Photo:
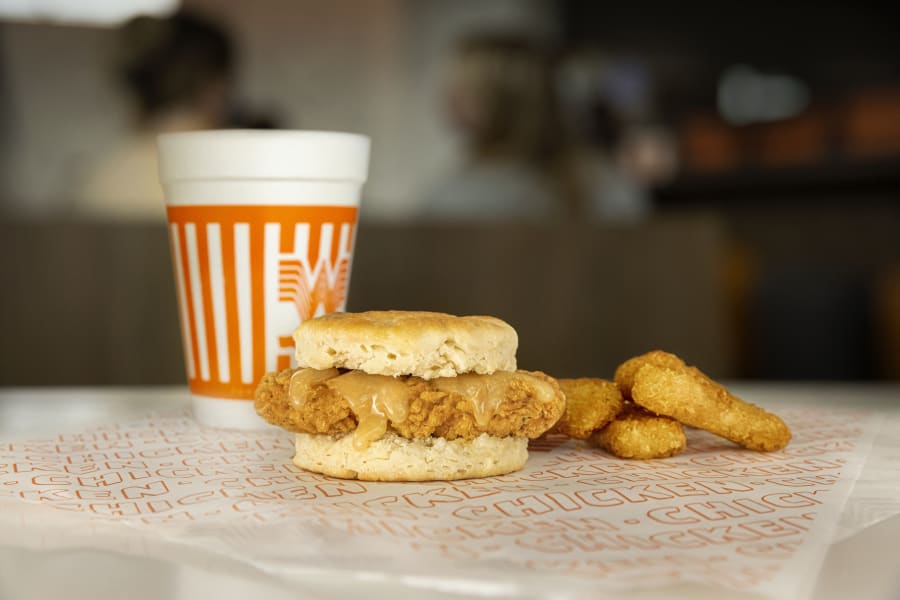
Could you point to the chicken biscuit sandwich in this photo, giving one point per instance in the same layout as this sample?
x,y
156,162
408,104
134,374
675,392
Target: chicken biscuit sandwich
x,y
409,396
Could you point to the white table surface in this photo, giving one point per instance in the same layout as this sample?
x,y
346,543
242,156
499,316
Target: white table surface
x,y
865,565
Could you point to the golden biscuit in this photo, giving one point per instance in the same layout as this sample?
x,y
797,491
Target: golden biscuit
x,y
396,342
393,458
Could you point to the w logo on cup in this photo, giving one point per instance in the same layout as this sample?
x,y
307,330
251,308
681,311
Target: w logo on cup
x,y
246,276
323,285
314,286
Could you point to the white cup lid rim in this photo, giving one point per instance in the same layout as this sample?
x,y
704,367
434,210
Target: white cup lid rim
x,y
263,154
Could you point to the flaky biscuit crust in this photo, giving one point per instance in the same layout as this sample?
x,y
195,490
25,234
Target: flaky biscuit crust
x,y
394,458
423,344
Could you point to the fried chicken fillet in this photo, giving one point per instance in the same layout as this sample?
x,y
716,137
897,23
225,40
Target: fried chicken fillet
x,y
637,433
591,404
519,404
663,384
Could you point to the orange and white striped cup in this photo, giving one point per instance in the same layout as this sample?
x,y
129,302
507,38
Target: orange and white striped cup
x,y
262,226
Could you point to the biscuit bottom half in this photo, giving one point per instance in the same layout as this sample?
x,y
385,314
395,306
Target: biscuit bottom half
x,y
395,458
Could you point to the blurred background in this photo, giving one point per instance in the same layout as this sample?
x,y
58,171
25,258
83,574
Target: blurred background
x,y
719,181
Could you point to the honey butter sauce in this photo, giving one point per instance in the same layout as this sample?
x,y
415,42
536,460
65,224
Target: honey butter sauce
x,y
304,382
373,399
376,399
485,392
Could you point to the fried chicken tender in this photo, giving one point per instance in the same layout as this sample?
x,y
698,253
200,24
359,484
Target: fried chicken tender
x,y
531,404
625,373
590,404
666,386
637,433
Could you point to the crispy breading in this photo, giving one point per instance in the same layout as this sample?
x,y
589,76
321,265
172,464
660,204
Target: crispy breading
x,y
590,404
637,433
432,413
624,376
321,413
684,393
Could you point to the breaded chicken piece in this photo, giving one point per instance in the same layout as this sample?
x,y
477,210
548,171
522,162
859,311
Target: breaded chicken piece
x,y
684,393
624,376
531,404
590,404
639,434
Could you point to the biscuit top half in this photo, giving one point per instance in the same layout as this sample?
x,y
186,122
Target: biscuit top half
x,y
423,344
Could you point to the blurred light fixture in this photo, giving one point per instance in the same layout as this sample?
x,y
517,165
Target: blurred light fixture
x,y
746,96
83,12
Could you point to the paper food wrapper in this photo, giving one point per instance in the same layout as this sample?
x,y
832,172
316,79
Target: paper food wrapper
x,y
573,523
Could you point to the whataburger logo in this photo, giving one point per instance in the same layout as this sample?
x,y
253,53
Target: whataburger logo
x,y
323,287
314,286
245,277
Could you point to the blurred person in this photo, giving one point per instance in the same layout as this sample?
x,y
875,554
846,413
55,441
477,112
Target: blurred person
x,y
621,153
613,194
619,172
500,97
179,73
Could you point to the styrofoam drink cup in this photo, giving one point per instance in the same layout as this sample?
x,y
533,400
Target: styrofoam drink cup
x,y
262,226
